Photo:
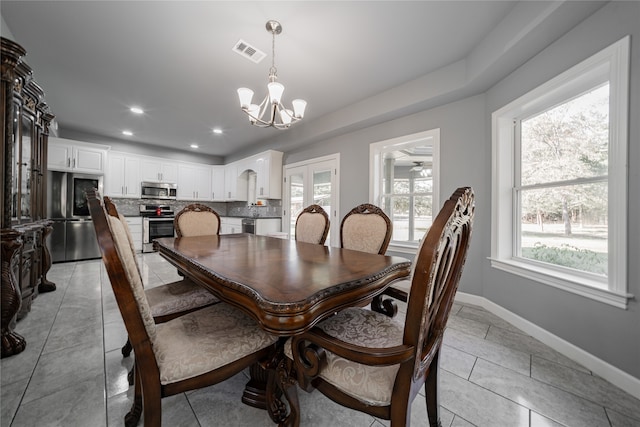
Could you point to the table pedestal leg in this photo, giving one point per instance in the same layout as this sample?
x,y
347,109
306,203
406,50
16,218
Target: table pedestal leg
x,y
256,389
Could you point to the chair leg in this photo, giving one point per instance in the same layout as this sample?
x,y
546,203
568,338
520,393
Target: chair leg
x,y
130,376
126,350
431,392
133,416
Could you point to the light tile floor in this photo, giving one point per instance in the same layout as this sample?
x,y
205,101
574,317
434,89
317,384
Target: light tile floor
x,y
72,372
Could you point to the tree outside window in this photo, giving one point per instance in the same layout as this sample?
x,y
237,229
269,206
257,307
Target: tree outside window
x,y
563,192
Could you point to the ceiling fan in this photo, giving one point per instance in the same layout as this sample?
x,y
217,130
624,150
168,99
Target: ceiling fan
x,y
418,167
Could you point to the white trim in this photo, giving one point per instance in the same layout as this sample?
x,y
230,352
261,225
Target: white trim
x,y
584,286
616,376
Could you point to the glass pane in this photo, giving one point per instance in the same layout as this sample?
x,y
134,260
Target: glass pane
x,y
25,169
401,186
322,192
400,218
423,185
566,226
15,160
423,216
568,141
296,191
322,189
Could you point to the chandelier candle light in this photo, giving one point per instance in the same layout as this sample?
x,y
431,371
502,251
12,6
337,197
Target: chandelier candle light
x,y
271,112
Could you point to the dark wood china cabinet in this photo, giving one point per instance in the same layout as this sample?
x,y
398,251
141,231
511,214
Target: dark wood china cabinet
x,y
23,225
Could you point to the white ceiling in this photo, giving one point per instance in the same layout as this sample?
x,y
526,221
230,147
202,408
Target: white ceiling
x,y
95,59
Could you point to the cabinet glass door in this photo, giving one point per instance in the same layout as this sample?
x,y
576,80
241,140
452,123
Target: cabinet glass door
x,y
24,168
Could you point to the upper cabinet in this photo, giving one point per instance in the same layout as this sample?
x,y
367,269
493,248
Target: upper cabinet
x,y
194,182
122,178
268,168
217,184
158,170
235,188
75,156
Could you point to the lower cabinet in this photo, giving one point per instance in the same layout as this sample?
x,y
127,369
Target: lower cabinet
x,y
135,226
229,225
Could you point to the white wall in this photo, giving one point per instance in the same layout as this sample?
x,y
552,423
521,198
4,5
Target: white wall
x,y
608,333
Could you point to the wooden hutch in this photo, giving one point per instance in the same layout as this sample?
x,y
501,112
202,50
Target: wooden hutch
x,y
25,258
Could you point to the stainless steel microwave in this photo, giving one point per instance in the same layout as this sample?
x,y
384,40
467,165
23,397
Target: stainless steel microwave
x,y
159,190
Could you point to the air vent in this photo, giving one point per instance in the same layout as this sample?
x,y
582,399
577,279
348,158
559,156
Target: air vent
x,y
245,50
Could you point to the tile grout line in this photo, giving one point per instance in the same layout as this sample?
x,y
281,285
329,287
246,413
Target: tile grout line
x,y
104,354
24,392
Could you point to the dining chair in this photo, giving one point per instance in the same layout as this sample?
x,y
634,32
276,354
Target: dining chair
x,y
312,225
166,301
197,220
366,228
376,364
193,351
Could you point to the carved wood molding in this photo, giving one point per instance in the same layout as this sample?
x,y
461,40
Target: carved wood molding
x,y
12,343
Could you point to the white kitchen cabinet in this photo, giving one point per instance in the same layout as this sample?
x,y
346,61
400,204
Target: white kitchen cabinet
x,y
135,227
194,182
217,183
235,187
76,156
267,226
159,170
230,225
268,167
122,178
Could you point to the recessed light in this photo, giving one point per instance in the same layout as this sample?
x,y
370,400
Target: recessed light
x,y
194,145
137,110
127,132
217,131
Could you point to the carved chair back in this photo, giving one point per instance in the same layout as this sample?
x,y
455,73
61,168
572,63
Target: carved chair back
x,y
197,220
436,275
366,228
312,225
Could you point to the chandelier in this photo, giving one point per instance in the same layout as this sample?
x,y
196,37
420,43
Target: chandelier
x,y
271,112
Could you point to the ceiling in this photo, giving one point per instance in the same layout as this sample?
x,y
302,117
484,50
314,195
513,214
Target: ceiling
x,y
96,59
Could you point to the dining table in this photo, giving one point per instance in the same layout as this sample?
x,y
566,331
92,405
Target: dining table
x,y
285,285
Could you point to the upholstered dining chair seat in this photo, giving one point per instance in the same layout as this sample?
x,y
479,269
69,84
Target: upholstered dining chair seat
x,y
178,297
360,326
208,339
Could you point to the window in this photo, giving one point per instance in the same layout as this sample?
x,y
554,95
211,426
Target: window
x,y
404,183
560,180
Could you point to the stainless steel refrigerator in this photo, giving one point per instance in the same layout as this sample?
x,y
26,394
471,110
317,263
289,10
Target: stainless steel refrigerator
x,y
73,237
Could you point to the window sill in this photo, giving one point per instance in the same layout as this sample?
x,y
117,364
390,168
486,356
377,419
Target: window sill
x,y
400,248
585,287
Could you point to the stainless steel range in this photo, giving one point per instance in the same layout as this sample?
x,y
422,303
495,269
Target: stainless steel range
x,y
157,221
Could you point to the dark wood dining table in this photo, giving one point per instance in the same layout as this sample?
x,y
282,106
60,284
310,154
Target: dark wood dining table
x,y
287,286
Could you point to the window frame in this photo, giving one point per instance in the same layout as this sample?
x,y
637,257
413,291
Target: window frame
x,y
376,191
612,63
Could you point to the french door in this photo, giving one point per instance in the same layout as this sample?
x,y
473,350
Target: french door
x,y
310,182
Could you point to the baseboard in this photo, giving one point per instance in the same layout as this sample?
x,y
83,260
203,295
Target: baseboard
x,y
598,366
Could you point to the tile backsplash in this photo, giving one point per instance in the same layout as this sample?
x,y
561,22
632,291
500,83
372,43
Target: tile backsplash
x,y
270,209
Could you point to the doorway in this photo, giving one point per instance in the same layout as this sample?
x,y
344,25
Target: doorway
x,y
314,181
